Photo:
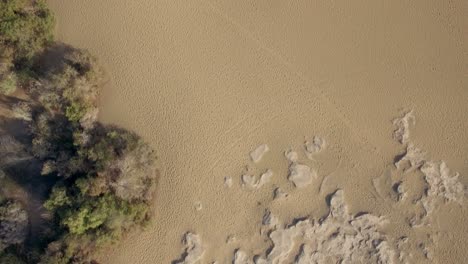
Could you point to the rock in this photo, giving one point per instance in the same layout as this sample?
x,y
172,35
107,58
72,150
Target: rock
x,y
338,208
194,249
241,258
301,175
228,181
258,153
315,146
442,183
279,194
402,133
337,238
344,238
254,183
230,239
291,156
198,206
414,156
269,219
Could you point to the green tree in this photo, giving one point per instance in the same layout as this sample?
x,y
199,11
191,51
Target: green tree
x,y
57,199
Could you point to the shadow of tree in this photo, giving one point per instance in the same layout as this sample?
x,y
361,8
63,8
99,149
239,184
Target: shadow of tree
x,y
52,59
23,181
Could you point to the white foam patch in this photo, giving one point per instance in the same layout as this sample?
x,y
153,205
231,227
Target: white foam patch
x,y
255,183
301,175
402,133
258,153
194,249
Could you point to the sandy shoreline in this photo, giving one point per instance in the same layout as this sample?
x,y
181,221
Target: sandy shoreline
x,y
206,82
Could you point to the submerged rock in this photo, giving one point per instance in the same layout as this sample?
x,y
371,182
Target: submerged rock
x,y
258,153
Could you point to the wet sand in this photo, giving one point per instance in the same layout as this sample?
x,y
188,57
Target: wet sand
x,y
206,82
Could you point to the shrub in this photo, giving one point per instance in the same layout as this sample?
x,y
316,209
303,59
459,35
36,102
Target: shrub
x,y
58,198
75,111
22,111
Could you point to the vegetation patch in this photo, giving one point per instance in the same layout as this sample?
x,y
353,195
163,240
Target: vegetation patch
x,y
97,179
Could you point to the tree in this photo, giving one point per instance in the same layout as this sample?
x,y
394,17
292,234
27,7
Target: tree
x,y
26,28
